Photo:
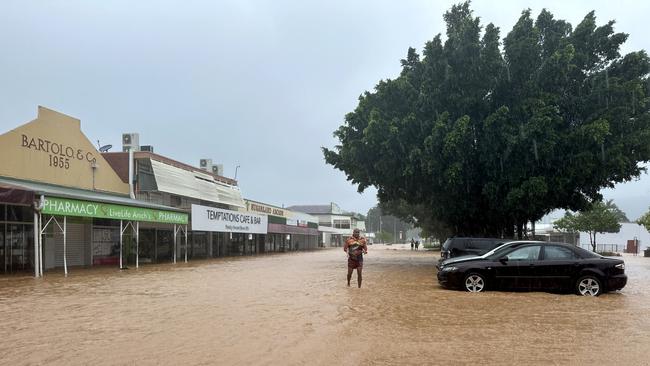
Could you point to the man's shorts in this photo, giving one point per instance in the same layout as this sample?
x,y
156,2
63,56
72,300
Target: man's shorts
x,y
353,264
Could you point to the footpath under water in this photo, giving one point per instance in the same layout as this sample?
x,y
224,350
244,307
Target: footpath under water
x,y
295,309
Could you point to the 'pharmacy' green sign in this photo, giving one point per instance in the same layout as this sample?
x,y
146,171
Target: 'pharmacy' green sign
x,y
68,207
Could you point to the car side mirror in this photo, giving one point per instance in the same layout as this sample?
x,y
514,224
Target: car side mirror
x,y
503,259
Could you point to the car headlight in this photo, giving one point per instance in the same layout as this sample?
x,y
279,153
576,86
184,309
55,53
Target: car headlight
x,y
449,269
620,266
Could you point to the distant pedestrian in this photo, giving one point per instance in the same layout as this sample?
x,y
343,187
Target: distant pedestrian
x,y
412,243
417,244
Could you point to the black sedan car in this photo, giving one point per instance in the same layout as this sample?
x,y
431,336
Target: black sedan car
x,y
534,265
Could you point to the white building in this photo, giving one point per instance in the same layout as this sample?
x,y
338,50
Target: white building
x,y
334,224
617,242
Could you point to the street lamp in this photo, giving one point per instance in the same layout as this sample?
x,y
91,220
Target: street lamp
x,y
236,168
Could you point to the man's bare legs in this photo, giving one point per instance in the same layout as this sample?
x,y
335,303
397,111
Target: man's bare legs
x,y
358,277
350,270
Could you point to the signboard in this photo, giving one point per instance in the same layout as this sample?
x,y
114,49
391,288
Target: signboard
x,y
70,207
205,218
265,209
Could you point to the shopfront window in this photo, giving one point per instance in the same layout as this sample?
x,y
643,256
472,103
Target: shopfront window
x,y
199,244
164,246
147,244
17,248
106,245
19,214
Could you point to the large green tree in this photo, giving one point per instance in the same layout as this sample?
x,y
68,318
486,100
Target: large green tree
x,y
481,136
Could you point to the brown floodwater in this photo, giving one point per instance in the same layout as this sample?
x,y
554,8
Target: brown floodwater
x,y
295,309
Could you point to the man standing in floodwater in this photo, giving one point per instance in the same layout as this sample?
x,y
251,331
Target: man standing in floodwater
x,y
356,247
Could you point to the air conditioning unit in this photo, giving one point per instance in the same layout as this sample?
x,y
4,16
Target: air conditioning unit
x,y
206,164
148,148
217,169
130,141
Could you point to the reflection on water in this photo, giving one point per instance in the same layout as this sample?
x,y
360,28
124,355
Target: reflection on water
x,y
295,309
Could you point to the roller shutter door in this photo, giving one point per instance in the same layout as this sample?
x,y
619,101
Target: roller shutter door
x,y
75,245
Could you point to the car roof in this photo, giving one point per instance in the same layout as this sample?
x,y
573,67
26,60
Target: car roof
x,y
469,237
522,242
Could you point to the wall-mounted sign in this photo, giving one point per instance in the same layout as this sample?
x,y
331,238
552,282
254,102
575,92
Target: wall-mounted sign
x,y
205,218
70,207
265,209
60,155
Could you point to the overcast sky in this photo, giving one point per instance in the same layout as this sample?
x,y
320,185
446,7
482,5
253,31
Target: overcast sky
x,y
260,84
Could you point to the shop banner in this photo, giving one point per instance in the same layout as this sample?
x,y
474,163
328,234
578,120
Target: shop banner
x,y
265,209
206,218
70,207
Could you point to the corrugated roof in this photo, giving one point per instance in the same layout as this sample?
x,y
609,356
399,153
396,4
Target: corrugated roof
x,y
199,185
312,209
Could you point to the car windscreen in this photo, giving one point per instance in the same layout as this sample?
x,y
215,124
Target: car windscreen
x,y
500,248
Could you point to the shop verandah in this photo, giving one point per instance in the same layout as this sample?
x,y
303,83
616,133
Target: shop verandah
x,y
52,226
43,229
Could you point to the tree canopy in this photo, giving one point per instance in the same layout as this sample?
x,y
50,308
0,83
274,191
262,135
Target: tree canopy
x,y
620,215
645,220
600,218
480,135
378,220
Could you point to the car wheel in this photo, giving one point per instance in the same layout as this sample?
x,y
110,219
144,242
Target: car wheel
x,y
589,286
474,282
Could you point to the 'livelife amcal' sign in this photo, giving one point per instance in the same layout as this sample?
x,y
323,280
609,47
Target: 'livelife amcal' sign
x,y
70,207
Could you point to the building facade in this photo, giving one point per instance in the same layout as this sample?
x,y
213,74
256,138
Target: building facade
x,y
334,225
287,230
61,203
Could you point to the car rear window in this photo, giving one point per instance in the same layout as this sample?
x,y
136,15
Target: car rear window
x,y
554,252
446,245
586,254
484,244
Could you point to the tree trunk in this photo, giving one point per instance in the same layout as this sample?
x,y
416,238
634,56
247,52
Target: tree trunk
x,y
520,235
532,227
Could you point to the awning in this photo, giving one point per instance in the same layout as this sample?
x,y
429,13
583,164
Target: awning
x,y
286,229
197,185
331,230
15,195
78,202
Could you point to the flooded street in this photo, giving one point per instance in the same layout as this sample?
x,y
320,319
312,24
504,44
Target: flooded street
x,y
295,309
